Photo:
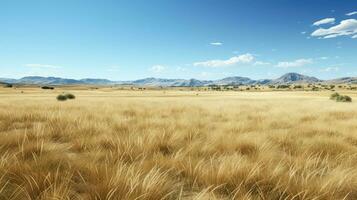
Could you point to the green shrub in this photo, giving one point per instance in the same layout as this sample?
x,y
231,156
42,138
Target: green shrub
x,y
70,96
340,98
344,99
283,86
314,88
61,97
334,96
47,88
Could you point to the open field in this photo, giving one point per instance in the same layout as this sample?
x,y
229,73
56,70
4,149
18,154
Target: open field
x,y
112,144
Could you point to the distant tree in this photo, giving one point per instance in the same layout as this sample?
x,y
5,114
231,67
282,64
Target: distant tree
x,y
47,88
283,86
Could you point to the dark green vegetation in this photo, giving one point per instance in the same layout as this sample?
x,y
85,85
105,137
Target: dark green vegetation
x,y
340,98
70,96
66,96
47,88
61,97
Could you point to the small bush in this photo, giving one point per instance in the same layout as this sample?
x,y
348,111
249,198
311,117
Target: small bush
x,y
334,96
8,85
283,86
344,99
62,97
340,98
70,96
314,88
47,88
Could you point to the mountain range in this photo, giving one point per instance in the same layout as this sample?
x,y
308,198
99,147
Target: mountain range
x,y
289,78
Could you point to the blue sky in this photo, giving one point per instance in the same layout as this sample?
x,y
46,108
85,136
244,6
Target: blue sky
x,y
204,39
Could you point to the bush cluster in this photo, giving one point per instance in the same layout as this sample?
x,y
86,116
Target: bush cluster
x,y
283,86
340,98
64,97
47,88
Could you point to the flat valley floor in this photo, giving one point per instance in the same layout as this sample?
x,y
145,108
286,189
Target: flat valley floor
x,y
114,144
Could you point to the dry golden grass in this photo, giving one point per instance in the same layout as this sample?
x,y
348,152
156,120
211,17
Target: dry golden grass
x,y
110,144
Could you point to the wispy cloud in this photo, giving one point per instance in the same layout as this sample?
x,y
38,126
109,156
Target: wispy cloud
x,y
345,27
352,13
330,69
295,63
157,68
241,59
216,43
257,63
324,21
42,66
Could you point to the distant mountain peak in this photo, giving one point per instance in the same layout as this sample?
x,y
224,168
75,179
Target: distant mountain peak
x,y
293,77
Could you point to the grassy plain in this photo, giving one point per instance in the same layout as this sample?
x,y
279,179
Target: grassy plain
x,y
113,144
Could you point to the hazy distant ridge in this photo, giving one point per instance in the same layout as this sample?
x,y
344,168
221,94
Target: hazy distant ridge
x,y
289,78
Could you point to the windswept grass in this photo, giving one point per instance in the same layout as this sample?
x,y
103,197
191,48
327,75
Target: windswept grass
x,y
177,145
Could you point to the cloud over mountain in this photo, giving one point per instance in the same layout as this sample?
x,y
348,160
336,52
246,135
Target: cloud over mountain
x,y
295,63
241,59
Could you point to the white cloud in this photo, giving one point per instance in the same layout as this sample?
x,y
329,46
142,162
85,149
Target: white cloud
x,y
352,13
295,63
216,43
42,66
324,21
330,69
241,59
157,68
346,27
323,58
261,63
354,37
303,32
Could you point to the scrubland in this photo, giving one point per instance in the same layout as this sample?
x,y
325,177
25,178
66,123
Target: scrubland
x,y
109,144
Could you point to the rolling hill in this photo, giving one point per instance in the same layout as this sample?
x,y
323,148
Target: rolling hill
x,y
289,78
